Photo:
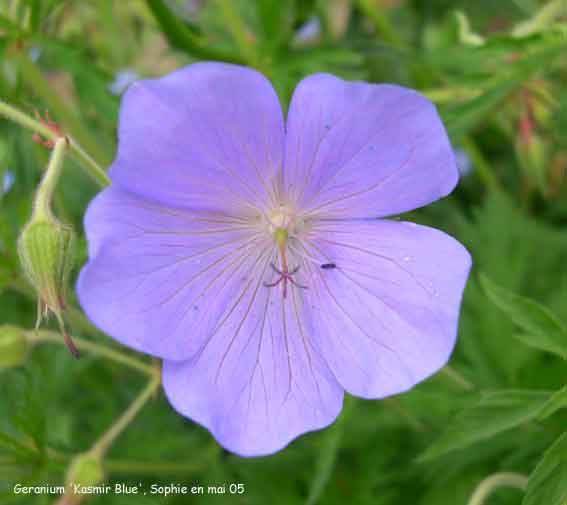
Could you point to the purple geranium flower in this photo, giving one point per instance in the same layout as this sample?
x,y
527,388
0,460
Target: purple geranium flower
x,y
251,255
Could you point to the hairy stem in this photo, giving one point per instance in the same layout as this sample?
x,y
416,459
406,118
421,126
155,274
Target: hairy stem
x,y
46,336
104,443
92,168
42,203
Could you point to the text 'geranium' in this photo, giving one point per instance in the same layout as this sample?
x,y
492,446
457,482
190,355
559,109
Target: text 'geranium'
x,y
250,254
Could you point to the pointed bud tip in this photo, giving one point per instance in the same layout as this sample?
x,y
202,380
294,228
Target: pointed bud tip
x,y
71,345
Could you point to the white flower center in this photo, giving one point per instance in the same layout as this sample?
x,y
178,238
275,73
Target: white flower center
x,y
280,217
284,217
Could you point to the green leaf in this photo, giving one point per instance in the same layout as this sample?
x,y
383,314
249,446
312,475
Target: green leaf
x,y
542,328
495,412
328,455
556,402
542,343
275,17
14,446
325,464
548,482
463,117
481,64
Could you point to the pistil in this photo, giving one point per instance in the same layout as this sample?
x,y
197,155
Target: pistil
x,y
281,236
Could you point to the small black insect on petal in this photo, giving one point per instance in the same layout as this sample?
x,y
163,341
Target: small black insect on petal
x,y
328,266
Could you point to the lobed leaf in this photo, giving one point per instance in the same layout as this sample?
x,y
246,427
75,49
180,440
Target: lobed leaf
x,y
548,482
495,412
542,328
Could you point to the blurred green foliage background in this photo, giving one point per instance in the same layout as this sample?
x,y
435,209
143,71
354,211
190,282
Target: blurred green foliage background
x,y
497,72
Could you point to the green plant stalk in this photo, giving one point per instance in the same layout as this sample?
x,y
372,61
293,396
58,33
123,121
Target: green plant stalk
x,y
46,336
34,78
495,481
93,169
44,195
104,443
10,112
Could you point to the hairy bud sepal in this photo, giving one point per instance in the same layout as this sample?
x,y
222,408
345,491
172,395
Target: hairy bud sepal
x,y
13,346
46,250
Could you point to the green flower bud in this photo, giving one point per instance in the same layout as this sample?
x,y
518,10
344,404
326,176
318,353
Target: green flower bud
x,y
46,250
46,247
86,470
13,346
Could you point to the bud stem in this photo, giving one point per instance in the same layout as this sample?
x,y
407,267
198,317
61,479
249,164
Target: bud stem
x,y
42,204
